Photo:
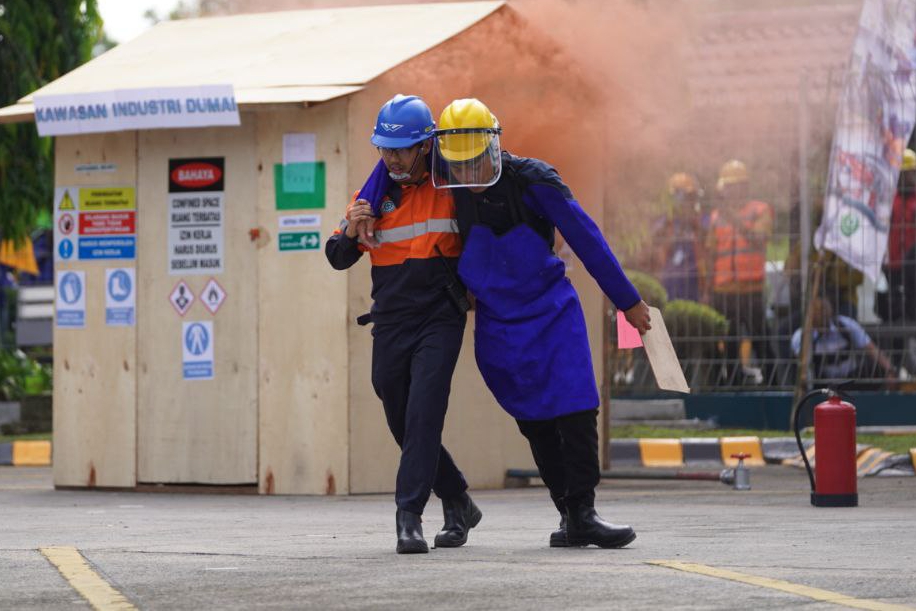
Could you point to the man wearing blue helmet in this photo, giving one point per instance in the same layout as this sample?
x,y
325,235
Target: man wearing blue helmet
x,y
418,314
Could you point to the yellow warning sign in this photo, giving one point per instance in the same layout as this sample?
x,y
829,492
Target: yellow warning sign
x,y
66,203
107,198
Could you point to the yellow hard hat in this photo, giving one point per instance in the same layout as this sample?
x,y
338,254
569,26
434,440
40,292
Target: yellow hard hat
x,y
683,182
732,172
465,114
909,160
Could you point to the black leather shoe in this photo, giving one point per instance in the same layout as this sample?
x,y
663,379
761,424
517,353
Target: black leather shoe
x,y
461,515
410,533
585,527
558,537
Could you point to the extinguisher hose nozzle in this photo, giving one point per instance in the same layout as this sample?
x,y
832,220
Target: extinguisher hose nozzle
x,y
796,413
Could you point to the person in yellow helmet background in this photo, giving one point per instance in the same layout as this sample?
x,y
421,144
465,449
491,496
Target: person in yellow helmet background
x,y
679,252
737,245
898,304
900,266
530,336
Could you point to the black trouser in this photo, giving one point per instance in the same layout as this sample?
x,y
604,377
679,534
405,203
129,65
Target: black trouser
x,y
412,366
565,450
746,314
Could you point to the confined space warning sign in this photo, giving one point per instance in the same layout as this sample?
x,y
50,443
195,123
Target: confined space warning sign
x,y
196,216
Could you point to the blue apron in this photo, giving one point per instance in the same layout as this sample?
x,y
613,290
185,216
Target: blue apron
x,y
530,337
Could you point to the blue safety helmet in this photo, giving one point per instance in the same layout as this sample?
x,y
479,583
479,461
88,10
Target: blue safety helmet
x,y
403,121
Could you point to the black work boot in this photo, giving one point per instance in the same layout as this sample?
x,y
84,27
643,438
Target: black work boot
x,y
558,537
585,527
410,533
461,515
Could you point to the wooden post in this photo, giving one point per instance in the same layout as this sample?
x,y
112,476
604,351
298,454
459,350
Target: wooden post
x,y
804,358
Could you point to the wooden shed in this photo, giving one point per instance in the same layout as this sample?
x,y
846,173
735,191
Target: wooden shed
x,y
288,405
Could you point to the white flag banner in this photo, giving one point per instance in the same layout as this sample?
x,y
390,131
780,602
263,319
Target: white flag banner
x,y
874,121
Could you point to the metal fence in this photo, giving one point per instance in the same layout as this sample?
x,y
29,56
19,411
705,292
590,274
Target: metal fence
x,y
751,342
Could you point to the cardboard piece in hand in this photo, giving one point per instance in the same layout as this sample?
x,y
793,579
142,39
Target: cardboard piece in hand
x,y
659,349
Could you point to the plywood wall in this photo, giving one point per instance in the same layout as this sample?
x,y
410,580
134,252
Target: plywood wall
x,y
302,322
198,430
95,368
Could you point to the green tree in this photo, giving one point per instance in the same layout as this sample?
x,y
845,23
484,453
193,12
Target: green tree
x,y
189,9
40,40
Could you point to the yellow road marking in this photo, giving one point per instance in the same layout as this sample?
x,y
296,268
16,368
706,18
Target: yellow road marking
x,y
784,586
84,580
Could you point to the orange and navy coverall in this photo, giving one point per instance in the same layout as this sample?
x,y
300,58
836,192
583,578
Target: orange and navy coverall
x,y
738,245
416,332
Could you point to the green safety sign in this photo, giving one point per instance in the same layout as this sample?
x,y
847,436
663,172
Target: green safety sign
x,y
299,185
305,240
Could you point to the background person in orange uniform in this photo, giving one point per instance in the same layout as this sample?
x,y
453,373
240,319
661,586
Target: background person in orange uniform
x,y
737,245
417,329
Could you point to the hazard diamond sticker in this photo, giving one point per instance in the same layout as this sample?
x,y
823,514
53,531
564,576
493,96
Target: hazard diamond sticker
x,y
213,296
181,298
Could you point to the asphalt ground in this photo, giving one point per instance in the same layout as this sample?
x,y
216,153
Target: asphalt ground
x,y
762,549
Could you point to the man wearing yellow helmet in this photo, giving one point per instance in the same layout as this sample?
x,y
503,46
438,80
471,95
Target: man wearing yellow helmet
x,y
900,266
737,243
530,337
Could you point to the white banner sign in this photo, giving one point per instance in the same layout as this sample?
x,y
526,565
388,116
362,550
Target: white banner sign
x,y
129,109
874,122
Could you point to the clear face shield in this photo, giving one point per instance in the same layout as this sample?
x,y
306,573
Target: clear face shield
x,y
468,157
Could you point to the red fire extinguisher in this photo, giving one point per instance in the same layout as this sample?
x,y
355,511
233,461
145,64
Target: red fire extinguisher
x,y
835,442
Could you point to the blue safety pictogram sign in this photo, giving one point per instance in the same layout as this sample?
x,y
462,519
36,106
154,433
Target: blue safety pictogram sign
x,y
197,350
65,249
71,299
120,297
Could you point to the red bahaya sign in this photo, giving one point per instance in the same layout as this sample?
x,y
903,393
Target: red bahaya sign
x,y
108,223
196,174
